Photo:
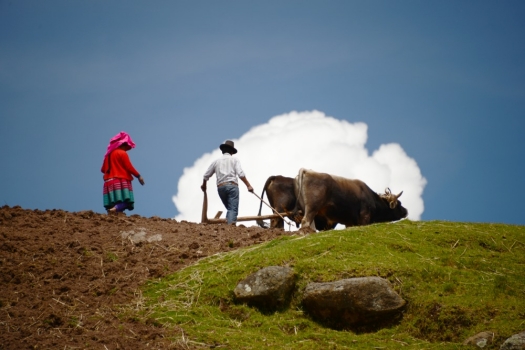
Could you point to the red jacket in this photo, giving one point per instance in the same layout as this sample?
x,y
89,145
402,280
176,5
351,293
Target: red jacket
x,y
118,165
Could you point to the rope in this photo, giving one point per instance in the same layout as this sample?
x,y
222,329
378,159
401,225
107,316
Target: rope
x,y
275,211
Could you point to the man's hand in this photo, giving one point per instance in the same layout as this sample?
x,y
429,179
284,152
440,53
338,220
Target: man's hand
x,y
141,180
250,189
203,187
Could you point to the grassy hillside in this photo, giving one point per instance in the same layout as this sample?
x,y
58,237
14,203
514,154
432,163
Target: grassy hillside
x,y
458,279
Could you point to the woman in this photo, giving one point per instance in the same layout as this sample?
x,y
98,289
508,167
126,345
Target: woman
x,y
118,174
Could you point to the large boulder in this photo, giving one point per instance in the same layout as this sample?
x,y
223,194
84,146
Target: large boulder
x,y
353,303
268,289
516,342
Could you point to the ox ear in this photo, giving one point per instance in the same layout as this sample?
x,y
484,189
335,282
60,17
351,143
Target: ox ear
x,y
399,195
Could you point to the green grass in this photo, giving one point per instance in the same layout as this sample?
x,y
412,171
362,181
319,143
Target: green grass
x,y
458,279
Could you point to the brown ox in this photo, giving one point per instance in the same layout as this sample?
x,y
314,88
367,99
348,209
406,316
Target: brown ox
x,y
281,196
342,201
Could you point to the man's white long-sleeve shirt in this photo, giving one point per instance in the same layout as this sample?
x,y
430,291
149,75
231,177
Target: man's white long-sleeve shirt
x,y
226,169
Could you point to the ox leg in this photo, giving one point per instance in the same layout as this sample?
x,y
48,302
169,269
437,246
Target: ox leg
x,y
364,217
277,223
308,224
307,221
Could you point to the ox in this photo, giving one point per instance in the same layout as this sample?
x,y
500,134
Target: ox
x,y
281,196
280,193
342,201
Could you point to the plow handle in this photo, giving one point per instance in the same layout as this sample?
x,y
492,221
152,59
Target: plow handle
x,y
204,217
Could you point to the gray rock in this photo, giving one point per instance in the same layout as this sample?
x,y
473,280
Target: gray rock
x,y
516,342
353,303
268,289
480,340
140,236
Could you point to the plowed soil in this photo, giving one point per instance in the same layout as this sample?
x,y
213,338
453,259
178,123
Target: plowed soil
x,y
66,277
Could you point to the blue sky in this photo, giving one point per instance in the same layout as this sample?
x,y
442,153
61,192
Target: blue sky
x,y
443,79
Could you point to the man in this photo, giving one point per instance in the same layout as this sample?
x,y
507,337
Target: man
x,y
227,169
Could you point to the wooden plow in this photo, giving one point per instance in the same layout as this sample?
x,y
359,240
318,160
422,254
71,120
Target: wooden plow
x,y
218,220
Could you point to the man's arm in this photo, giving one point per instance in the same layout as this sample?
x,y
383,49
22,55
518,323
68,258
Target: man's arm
x,y
247,183
207,175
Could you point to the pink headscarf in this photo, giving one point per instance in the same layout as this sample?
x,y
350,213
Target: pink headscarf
x,y
119,139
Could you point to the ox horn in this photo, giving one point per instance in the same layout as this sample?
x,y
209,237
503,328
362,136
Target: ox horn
x,y
399,195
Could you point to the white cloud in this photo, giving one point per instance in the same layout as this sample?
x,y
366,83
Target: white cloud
x,y
309,140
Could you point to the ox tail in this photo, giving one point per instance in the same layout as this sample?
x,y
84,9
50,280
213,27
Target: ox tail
x,y
261,223
299,202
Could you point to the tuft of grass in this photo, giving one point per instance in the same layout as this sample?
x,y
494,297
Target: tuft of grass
x,y
458,278
111,256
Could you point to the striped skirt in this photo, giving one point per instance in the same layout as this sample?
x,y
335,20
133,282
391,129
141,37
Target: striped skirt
x,y
116,191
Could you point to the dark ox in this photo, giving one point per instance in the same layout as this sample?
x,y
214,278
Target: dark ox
x,y
281,196
342,201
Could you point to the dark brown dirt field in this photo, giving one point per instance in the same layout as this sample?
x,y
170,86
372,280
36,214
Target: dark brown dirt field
x,y
66,278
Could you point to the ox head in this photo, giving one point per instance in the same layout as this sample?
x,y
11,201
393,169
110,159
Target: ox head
x,y
391,198
394,203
